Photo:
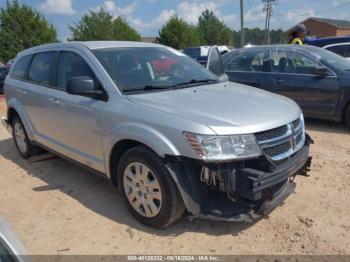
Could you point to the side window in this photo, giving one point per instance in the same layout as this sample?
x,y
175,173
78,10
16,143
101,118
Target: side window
x,y
280,62
72,65
283,61
21,67
302,64
246,62
338,49
42,68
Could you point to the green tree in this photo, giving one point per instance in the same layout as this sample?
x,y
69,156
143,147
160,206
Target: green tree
x,y
256,36
178,34
213,31
100,25
21,27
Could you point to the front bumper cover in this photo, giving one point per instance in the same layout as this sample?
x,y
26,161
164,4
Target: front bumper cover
x,y
257,192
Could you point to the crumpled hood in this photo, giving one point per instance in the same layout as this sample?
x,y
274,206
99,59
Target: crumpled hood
x,y
226,108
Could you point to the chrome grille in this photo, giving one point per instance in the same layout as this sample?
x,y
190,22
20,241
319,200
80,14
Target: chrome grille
x,y
282,142
272,133
296,123
278,150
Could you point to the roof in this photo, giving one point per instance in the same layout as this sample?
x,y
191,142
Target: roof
x,y
90,45
333,22
343,24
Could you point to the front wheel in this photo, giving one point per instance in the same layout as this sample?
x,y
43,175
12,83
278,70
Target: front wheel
x,y
148,188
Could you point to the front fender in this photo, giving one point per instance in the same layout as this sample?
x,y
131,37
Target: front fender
x,y
141,133
15,104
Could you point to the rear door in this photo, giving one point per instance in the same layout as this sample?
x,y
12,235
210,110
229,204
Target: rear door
x,y
291,75
247,67
75,119
35,92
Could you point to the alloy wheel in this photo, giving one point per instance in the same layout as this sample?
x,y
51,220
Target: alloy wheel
x,y
142,189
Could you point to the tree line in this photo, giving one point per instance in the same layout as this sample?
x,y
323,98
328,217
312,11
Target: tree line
x,y
23,27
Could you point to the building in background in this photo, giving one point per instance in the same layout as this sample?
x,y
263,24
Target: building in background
x,y
148,39
322,27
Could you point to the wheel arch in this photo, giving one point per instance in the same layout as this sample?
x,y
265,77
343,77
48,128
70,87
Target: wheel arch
x,y
14,107
117,152
11,113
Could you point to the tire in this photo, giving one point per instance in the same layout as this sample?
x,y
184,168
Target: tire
x,y
347,116
150,193
24,146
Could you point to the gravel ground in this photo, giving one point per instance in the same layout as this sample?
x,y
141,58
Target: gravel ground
x,y
56,207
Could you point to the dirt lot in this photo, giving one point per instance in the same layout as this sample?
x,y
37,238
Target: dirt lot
x,y
56,207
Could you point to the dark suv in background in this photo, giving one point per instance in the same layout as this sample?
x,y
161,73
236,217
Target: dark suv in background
x,y
338,45
318,80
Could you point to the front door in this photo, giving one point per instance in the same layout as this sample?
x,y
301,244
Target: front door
x,y
292,74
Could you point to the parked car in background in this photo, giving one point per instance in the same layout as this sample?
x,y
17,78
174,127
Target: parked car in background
x,y
317,79
200,53
338,45
173,140
4,70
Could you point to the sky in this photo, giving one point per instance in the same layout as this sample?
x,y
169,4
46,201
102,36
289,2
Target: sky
x,y
148,16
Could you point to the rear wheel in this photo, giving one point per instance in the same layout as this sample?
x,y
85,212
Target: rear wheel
x,y
24,146
148,188
347,116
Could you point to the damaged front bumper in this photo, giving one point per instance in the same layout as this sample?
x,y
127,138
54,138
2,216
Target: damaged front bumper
x,y
243,190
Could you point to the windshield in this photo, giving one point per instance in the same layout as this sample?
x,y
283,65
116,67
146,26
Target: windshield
x,y
334,60
143,68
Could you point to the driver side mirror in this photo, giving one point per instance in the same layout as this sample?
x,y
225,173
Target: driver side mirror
x,y
215,63
85,86
321,71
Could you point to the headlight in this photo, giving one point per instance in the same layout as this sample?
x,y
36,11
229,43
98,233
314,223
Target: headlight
x,y
220,148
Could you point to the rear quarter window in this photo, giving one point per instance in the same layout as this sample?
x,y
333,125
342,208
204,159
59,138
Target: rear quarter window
x,y
20,68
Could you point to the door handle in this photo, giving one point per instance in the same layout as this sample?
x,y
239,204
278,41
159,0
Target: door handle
x,y
54,101
22,91
279,81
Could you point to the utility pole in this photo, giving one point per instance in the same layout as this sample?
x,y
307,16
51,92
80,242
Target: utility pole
x,y
242,24
268,10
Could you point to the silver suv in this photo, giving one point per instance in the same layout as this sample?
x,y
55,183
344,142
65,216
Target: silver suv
x,y
171,134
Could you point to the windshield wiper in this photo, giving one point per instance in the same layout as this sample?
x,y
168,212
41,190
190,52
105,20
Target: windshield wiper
x,y
196,81
148,87
160,87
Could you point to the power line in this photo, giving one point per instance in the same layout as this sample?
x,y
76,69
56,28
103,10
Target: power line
x,y
268,9
242,24
317,12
